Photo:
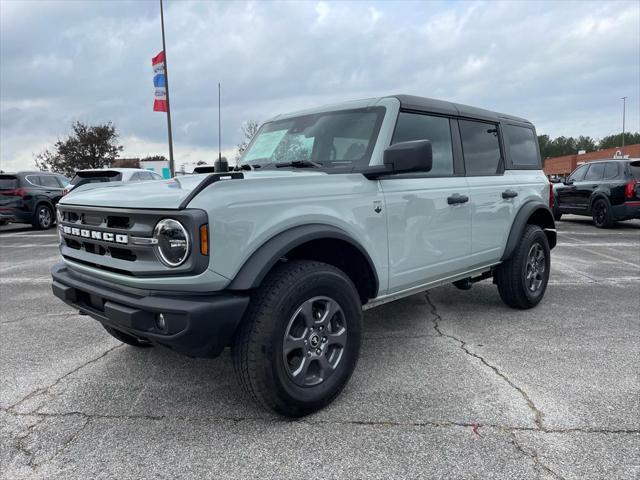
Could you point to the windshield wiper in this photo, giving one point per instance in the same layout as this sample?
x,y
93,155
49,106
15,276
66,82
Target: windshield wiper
x,y
299,164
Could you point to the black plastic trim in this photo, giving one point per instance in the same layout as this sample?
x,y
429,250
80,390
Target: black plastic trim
x,y
262,260
520,222
197,325
212,178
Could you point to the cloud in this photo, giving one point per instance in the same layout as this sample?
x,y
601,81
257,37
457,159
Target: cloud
x,y
563,65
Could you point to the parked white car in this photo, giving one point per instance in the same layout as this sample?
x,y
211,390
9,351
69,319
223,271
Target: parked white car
x,y
83,177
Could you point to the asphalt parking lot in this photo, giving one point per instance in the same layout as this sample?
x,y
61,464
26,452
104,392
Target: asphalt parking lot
x,y
451,384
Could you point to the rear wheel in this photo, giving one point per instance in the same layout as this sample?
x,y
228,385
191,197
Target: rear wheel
x,y
43,217
601,213
300,339
522,279
128,339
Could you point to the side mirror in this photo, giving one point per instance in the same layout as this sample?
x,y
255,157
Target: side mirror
x,y
567,182
404,157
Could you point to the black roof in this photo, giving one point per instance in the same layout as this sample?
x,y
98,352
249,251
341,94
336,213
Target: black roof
x,y
411,102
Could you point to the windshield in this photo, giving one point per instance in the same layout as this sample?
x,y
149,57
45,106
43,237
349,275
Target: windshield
x,y
332,139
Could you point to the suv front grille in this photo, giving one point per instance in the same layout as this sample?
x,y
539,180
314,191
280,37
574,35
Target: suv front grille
x,y
84,229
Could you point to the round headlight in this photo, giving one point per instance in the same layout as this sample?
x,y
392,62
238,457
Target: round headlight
x,y
173,245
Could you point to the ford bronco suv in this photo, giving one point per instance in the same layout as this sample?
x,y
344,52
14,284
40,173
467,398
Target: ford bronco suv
x,y
330,212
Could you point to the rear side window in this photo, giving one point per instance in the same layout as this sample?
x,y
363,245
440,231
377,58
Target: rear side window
x,y
611,171
634,169
49,181
595,172
413,126
34,179
8,182
521,142
578,174
481,147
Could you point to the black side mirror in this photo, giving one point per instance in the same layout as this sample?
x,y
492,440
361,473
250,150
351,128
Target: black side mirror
x,y
404,157
567,182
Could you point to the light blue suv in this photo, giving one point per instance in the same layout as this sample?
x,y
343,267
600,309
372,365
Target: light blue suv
x,y
331,211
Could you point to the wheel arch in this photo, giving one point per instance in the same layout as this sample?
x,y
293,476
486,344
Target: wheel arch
x,y
320,242
531,213
599,195
48,203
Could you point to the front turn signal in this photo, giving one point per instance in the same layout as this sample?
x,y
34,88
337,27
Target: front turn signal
x,y
204,240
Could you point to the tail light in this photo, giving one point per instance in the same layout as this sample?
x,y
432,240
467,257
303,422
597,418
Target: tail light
x,y
16,192
629,189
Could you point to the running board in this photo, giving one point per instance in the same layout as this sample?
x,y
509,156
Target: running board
x,y
392,297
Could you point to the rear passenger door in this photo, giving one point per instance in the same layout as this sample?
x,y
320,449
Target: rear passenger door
x,y
491,213
429,237
585,188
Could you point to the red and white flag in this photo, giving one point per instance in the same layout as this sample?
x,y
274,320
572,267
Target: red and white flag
x,y
159,82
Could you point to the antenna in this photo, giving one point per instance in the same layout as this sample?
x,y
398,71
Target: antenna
x,y
220,165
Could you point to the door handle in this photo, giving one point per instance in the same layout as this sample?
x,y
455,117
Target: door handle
x,y
509,194
457,198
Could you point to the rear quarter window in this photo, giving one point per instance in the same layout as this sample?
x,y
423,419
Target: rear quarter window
x,y
521,144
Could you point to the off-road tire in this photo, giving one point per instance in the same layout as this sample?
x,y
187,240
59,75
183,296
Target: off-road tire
x,y
38,222
128,339
511,275
601,214
259,343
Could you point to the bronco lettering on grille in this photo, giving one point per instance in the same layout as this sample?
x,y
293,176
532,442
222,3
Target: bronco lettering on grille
x,y
96,235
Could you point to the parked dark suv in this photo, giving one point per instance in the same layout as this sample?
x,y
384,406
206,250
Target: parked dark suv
x,y
606,190
30,197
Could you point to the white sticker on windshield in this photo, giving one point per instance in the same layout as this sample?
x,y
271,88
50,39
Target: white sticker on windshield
x,y
265,145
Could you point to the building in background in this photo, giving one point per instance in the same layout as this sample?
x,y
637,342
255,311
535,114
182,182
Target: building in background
x,y
158,165
564,165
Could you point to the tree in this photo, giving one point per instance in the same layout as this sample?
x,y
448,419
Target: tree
x,y
89,146
545,145
249,129
587,144
613,141
155,158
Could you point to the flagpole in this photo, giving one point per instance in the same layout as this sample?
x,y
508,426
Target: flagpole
x,y
166,80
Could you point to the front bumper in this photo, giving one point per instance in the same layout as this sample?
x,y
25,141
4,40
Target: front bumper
x,y
627,210
197,325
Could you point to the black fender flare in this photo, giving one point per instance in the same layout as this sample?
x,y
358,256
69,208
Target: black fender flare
x,y
269,253
544,218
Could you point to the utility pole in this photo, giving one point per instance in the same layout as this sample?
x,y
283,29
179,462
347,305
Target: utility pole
x,y
624,107
166,79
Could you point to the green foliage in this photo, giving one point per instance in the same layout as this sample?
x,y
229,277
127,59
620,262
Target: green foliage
x,y
613,141
89,146
568,145
249,129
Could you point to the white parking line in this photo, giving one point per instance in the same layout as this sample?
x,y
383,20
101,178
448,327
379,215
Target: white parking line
x,y
604,244
22,234
600,254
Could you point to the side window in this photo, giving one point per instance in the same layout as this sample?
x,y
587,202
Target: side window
x,y
481,147
578,174
34,179
611,171
64,181
144,176
595,172
49,181
135,177
521,143
414,126
155,176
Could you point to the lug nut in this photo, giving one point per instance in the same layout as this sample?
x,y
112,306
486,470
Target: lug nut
x,y
321,328
308,353
318,351
324,339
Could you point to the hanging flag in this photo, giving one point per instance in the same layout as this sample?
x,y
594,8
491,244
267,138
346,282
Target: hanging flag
x,y
159,82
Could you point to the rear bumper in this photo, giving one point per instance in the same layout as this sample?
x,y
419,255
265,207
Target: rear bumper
x,y
197,325
627,210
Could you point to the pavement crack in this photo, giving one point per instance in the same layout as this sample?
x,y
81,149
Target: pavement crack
x,y
47,389
534,458
437,318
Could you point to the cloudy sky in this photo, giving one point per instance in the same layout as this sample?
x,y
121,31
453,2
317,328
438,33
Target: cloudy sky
x,y
562,65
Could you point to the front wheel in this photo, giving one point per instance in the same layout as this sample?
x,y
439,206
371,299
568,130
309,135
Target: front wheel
x,y
522,279
300,339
